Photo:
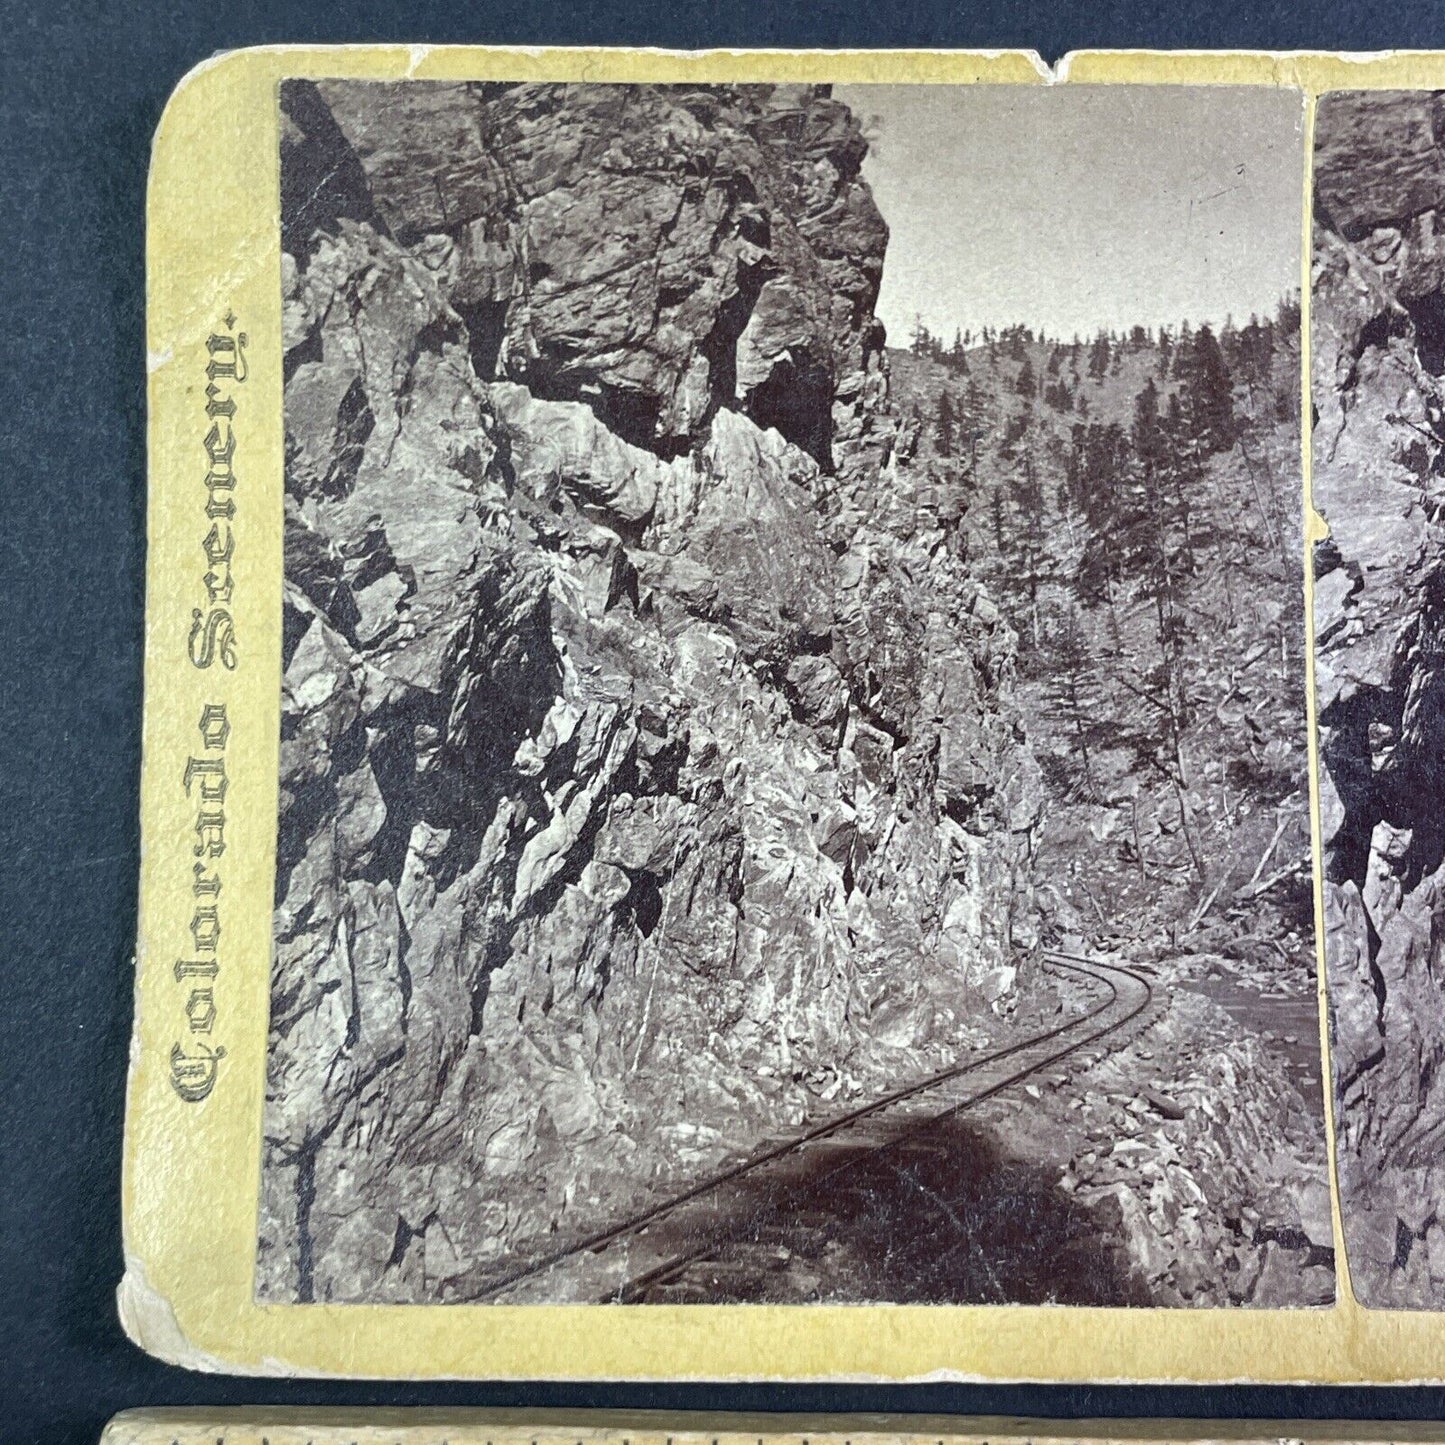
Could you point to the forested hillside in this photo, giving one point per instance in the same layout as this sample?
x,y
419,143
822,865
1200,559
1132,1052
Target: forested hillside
x,y
1133,504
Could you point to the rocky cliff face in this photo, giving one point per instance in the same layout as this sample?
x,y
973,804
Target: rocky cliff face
x,y
648,768
1379,353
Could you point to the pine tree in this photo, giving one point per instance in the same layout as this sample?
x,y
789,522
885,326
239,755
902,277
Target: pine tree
x,y
1073,680
1099,354
1026,384
1229,344
1095,471
1147,433
943,426
1058,396
1031,535
1207,392
1254,353
971,423
1155,549
1181,350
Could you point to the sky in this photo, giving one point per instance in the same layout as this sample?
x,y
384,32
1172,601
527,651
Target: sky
x,y
1068,208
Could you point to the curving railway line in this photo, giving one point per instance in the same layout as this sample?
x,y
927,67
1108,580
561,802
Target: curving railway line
x,y
631,1260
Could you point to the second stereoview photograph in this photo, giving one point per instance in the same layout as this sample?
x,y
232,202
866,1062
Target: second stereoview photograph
x,y
794,777
1378,338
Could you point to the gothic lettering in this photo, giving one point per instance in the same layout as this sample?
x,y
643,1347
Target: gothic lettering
x,y
193,1076
204,781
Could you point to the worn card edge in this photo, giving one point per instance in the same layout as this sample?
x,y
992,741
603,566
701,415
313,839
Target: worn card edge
x,y
209,1328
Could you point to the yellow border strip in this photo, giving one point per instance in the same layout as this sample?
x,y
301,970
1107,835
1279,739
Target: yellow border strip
x,y
192,1170
1315,530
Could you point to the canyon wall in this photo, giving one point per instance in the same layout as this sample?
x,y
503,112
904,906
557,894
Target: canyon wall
x,y
650,776
1378,332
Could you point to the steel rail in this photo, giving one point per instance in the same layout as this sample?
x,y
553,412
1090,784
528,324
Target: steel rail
x,y
596,1242
659,1274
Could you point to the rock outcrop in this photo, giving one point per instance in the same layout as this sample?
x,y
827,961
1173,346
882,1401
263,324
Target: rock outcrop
x,y
1379,455
648,774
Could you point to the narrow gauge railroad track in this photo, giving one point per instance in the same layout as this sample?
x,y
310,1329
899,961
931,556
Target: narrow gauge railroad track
x,y
662,1240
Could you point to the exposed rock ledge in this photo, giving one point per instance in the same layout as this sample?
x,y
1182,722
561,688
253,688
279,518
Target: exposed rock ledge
x,y
647,772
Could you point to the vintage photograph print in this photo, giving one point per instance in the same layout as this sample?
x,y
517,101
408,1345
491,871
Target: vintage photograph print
x,y
793,767
1378,342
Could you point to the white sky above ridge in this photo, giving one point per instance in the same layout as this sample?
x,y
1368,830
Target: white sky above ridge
x,y
1068,208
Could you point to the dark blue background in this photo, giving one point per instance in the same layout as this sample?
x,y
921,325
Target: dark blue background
x,y
81,88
